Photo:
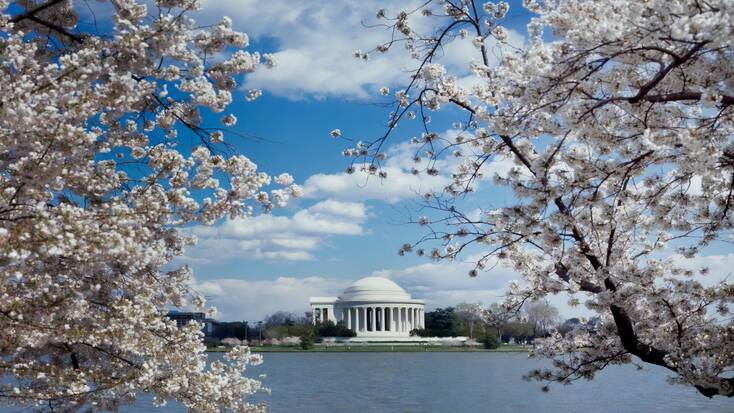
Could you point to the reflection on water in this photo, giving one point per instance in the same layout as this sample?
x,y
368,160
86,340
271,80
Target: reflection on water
x,y
454,382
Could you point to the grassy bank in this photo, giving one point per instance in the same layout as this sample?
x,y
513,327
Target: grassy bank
x,y
397,348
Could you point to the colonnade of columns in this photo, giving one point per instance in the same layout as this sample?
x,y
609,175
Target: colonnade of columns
x,y
322,314
373,318
370,318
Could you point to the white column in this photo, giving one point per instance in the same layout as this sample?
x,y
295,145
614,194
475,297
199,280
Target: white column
x,y
392,318
385,319
382,318
313,315
388,322
392,324
349,318
360,321
372,319
407,320
364,314
404,318
399,321
395,319
356,320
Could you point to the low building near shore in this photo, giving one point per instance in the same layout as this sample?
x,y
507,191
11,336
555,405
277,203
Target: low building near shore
x,y
184,317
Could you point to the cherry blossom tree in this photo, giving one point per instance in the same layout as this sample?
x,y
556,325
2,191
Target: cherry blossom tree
x,y
95,186
542,315
616,120
469,314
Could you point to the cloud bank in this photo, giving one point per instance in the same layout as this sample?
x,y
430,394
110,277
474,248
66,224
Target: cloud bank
x,y
316,41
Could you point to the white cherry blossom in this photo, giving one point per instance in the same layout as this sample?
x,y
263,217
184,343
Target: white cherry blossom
x,y
93,191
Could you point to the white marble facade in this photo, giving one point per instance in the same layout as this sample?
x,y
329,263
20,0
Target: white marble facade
x,y
372,307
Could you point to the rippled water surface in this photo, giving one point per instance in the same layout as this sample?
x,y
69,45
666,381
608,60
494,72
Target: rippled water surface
x,y
454,382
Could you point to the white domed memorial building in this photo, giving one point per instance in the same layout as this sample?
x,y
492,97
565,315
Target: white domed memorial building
x,y
374,308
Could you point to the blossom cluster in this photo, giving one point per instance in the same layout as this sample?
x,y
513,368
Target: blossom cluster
x,y
619,132
93,186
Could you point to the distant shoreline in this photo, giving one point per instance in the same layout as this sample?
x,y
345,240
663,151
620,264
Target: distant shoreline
x,y
380,348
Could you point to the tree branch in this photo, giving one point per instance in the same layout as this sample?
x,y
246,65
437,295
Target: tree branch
x,y
664,72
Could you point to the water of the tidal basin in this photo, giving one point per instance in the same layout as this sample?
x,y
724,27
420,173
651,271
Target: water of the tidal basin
x,y
455,383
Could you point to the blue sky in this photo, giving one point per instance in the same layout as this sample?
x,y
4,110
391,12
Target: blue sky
x,y
345,227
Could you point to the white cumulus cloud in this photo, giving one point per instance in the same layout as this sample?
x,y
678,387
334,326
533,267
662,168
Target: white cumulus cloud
x,y
269,237
400,183
238,299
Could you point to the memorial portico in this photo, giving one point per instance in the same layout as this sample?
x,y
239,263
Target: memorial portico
x,y
372,307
